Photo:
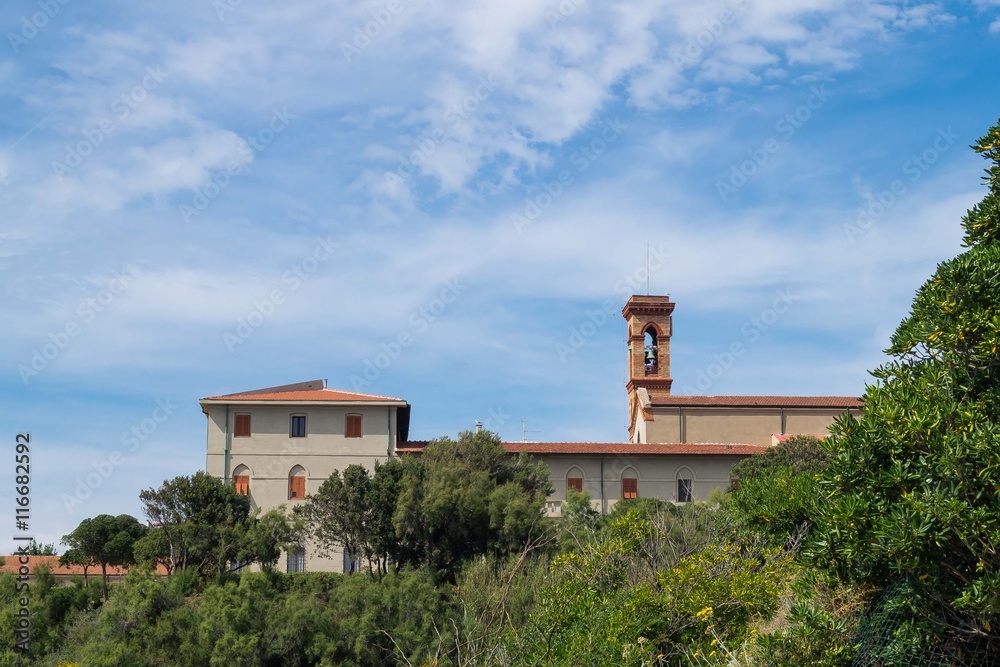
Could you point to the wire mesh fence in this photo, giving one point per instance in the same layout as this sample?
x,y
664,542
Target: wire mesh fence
x,y
893,634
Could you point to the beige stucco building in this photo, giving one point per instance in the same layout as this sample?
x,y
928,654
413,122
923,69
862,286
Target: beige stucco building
x,y
279,444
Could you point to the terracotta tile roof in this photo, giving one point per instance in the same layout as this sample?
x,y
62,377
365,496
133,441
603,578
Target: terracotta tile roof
x,y
306,396
626,448
761,401
612,448
13,564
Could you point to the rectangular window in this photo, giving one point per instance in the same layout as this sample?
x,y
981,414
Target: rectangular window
x,y
353,426
351,563
297,487
296,560
630,487
242,483
684,491
575,483
242,426
298,427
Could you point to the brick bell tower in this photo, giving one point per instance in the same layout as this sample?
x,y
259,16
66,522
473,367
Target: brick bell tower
x,y
650,325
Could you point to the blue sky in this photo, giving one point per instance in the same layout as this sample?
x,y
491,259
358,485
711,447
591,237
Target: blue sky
x,y
207,197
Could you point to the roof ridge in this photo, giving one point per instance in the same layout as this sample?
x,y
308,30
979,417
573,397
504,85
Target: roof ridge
x,y
274,393
308,385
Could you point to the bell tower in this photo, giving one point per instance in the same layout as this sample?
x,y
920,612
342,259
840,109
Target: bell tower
x,y
650,325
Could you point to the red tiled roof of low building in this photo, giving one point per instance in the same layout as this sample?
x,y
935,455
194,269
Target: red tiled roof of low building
x,y
13,564
626,448
612,448
761,401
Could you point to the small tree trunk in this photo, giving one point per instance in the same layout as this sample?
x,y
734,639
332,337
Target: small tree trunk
x,y
104,576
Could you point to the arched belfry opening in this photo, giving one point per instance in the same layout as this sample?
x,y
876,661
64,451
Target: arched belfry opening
x,y
651,351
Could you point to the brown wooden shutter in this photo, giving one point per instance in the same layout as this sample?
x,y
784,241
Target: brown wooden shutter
x,y
353,427
630,487
297,487
574,483
242,483
242,426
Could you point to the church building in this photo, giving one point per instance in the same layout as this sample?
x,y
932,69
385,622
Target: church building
x,y
280,443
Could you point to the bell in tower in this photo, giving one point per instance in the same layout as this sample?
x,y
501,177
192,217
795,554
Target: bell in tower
x,y
652,361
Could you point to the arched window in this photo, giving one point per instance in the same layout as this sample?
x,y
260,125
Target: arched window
x,y
652,351
630,483
685,485
241,480
297,483
574,480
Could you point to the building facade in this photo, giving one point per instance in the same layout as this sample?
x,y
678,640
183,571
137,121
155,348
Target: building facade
x,y
279,444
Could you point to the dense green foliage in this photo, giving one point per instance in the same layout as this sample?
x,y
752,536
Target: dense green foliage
x,y
265,619
648,587
53,609
778,491
799,453
913,487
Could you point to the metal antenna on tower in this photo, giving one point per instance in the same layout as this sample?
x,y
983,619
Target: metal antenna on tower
x,y
525,431
647,269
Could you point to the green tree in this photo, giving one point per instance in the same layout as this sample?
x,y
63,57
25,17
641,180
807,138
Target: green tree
x,y
354,510
578,512
106,540
153,550
203,522
267,535
470,497
77,557
386,486
913,487
339,513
